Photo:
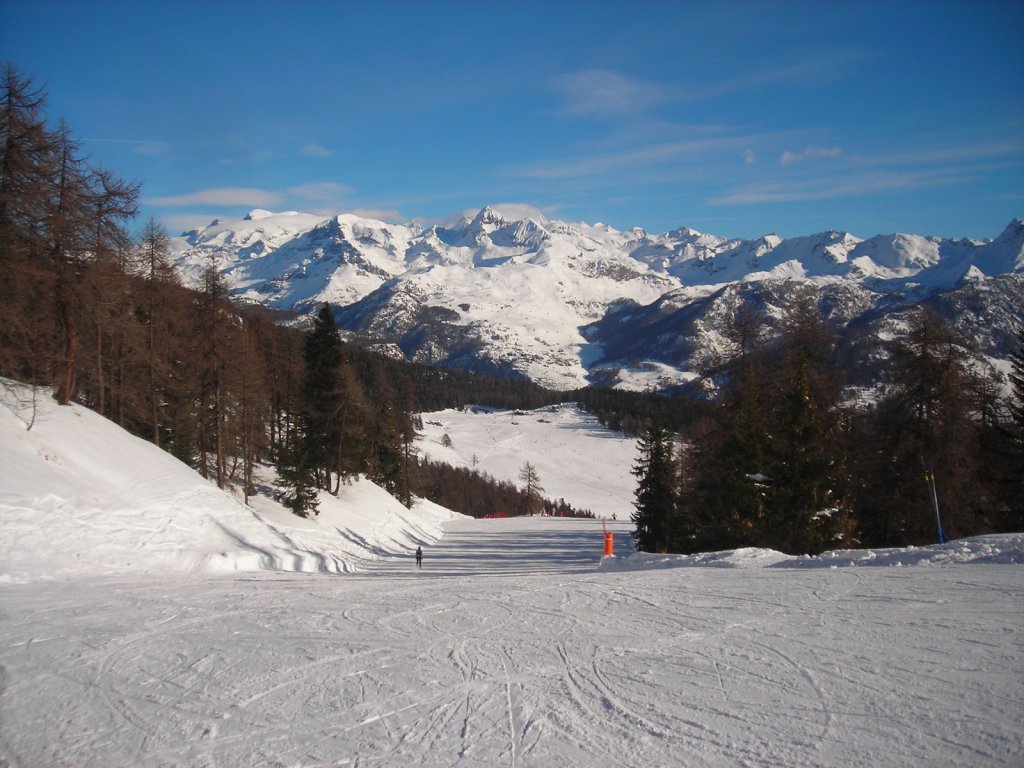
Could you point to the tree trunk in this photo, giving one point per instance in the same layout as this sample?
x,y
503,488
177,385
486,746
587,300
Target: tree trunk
x,y
67,385
219,420
101,394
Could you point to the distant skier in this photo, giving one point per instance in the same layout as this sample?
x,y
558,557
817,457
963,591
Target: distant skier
x,y
419,557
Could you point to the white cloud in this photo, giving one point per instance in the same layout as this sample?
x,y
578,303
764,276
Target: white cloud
x,y
392,216
184,222
601,93
516,211
749,157
220,196
314,150
789,158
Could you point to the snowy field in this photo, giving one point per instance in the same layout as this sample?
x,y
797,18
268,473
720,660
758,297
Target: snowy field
x,y
147,619
513,647
79,497
575,456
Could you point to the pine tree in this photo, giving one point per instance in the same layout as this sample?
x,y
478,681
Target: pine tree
x,y
296,476
805,508
1010,446
655,507
153,262
802,515
929,426
726,506
1017,401
212,330
321,397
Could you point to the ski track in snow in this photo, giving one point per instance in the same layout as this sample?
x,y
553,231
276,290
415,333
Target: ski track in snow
x,y
512,648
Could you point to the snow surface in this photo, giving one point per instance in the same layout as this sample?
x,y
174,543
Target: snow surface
x,y
517,644
576,458
81,497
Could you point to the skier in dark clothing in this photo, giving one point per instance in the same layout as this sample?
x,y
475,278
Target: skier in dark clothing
x,y
419,557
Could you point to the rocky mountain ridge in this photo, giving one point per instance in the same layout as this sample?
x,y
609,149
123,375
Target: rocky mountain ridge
x,y
567,304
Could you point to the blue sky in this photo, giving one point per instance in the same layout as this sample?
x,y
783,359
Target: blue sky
x,y
738,119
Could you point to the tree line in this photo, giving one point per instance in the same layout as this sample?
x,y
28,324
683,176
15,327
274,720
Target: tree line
x,y
786,459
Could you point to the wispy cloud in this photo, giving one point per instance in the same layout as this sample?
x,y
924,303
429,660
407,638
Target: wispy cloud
x,y
958,153
788,158
611,162
602,93
851,186
930,162
516,211
605,93
309,149
320,190
820,68
220,196
139,146
185,222
391,215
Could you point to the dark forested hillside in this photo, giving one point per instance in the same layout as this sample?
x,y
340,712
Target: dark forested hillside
x,y
787,458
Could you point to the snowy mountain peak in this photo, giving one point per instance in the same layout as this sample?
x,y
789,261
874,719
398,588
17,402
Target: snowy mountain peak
x,y
490,228
487,220
1011,242
256,214
507,289
685,233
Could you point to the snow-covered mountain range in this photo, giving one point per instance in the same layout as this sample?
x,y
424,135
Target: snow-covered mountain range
x,y
567,304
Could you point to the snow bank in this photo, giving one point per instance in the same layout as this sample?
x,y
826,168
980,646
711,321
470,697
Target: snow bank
x,y
81,497
994,549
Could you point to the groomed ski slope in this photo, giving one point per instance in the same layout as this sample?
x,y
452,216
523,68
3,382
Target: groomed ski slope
x,y
515,647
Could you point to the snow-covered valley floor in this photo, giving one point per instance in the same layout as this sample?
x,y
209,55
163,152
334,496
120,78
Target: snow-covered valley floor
x,y
515,647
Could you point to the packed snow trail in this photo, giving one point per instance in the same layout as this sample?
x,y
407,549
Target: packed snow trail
x,y
524,547
511,648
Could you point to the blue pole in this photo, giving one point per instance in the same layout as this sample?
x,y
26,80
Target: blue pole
x,y
929,478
